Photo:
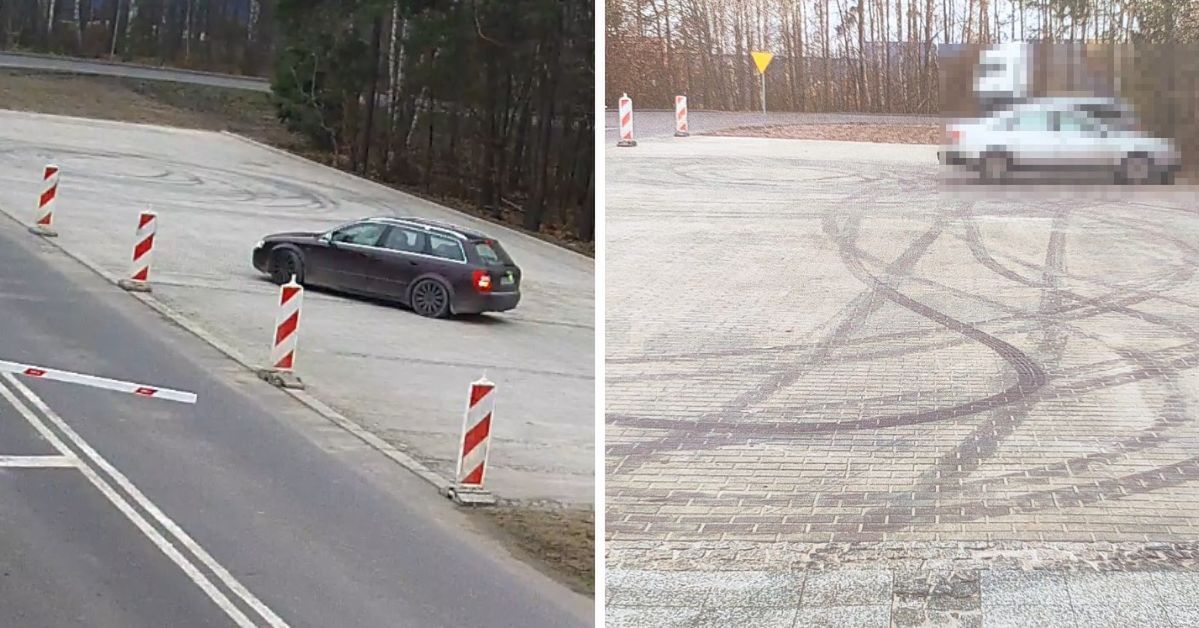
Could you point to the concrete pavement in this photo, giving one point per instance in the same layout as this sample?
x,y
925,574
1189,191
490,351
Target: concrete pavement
x,y
281,513
400,376
824,356
874,598
48,63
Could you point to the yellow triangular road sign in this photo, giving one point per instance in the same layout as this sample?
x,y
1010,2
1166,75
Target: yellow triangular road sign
x,y
762,59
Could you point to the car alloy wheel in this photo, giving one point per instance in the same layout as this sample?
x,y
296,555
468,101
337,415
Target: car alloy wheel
x,y
430,298
1137,169
994,167
285,265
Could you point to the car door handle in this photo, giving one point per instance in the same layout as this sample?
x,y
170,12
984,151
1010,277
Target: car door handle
x,y
414,262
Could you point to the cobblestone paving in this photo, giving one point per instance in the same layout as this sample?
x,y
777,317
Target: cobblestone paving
x,y
817,350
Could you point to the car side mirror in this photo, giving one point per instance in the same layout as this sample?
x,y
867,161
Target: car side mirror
x,y
327,239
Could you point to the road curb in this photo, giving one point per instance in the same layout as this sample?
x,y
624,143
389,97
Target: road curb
x,y
316,405
509,231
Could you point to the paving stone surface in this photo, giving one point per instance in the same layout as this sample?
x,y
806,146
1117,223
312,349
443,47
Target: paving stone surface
x,y
825,355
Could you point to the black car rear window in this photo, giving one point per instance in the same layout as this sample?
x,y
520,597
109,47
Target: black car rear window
x,y
491,253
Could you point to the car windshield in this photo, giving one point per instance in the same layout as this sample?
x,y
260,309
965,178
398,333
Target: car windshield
x,y
492,253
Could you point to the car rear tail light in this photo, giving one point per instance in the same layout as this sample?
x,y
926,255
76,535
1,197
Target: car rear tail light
x,y
481,279
955,136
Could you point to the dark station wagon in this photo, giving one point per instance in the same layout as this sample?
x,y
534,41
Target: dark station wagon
x,y
435,268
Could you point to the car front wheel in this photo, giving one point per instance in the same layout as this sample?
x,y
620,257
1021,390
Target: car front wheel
x,y
430,298
994,167
1136,170
285,265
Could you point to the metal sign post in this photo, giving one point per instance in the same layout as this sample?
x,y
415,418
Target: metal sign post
x,y
763,77
762,60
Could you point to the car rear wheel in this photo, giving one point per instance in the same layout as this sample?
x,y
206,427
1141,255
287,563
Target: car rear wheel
x,y
994,167
430,298
1136,170
284,265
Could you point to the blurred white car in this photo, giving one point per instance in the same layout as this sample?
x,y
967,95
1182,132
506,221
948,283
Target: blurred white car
x,y
1061,134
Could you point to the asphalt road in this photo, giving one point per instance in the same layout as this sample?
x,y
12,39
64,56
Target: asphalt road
x,y
118,510
147,73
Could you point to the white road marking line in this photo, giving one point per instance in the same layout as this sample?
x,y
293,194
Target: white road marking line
x,y
91,455
35,462
105,383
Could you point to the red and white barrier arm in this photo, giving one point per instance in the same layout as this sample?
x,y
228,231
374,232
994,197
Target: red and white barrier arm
x,y
69,377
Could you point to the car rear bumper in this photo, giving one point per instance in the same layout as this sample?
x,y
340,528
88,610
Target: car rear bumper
x,y
955,158
475,303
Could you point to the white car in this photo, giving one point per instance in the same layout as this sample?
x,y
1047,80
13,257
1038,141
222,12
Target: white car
x,y
1059,135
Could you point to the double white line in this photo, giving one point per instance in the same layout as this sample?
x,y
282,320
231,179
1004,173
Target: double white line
x,y
103,475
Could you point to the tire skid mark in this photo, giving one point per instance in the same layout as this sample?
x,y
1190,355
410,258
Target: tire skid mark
x,y
1161,365
680,434
1029,376
946,478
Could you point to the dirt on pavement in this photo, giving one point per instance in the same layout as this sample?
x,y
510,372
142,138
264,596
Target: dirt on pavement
x,y
558,539
860,132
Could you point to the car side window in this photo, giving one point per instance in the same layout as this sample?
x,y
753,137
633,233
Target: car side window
x,y
404,240
446,248
1032,121
1075,122
364,233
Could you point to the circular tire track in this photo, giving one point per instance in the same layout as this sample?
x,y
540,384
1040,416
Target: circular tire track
x,y
174,182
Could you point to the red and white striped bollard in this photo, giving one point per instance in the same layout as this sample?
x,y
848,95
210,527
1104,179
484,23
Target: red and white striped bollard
x,y
626,121
680,117
281,372
476,437
43,222
143,252
287,326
